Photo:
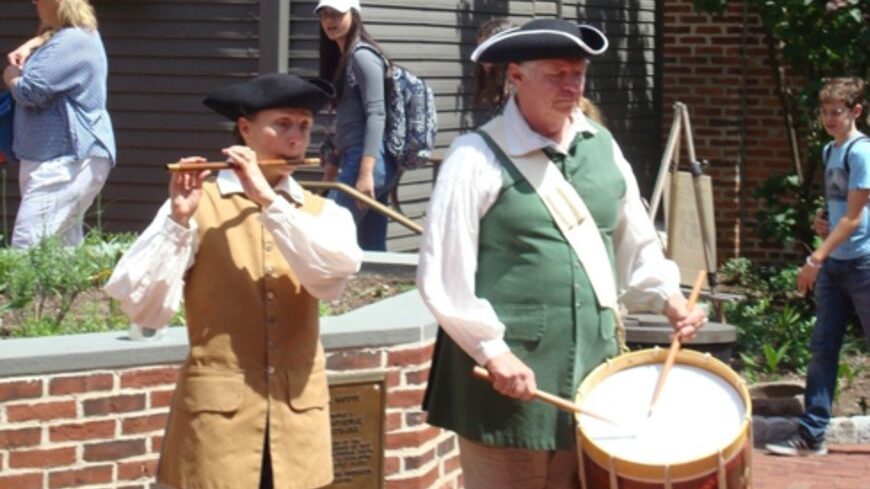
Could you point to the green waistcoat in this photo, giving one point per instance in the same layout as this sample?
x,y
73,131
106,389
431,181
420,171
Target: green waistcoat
x,y
540,291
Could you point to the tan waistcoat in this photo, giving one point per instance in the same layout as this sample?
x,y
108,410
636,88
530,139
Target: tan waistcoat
x,y
255,361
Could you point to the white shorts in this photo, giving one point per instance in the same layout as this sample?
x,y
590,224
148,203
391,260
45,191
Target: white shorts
x,y
55,195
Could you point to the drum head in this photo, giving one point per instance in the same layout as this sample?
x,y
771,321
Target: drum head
x,y
697,414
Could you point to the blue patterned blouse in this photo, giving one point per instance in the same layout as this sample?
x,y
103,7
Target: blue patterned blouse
x,y
61,100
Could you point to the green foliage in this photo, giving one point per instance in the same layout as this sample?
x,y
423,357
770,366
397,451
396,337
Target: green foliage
x,y
773,323
815,40
787,211
818,39
41,285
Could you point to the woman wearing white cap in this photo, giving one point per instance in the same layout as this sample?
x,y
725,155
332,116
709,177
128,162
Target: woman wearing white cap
x,y
356,65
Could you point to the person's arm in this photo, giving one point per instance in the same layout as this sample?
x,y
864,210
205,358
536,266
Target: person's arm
x,y
322,250
469,182
149,279
63,63
646,280
20,54
369,71
148,282
856,202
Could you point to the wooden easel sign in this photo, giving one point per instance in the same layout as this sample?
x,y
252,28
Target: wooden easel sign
x,y
685,239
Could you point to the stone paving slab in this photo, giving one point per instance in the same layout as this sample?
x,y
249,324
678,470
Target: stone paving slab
x,y
845,467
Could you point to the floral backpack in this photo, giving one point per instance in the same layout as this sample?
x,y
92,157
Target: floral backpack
x,y
412,122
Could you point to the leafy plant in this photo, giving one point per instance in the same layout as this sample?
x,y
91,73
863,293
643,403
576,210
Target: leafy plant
x,y
773,357
814,40
773,323
41,285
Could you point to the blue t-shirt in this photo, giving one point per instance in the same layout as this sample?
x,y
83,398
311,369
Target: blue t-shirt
x,y
838,182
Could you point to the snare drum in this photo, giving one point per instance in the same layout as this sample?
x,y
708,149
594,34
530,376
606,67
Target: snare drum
x,y
699,435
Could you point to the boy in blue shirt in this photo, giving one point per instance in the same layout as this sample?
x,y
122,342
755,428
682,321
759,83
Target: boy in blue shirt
x,y
840,267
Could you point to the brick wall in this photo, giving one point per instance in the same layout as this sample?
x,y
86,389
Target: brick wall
x,y
104,428
716,69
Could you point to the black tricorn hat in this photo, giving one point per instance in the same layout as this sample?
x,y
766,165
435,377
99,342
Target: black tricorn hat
x,y
268,92
541,39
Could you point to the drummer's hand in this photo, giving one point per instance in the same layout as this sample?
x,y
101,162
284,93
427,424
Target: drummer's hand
x,y
185,190
512,377
685,322
250,175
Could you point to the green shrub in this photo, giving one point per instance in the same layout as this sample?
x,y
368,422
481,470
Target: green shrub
x,y
774,323
41,285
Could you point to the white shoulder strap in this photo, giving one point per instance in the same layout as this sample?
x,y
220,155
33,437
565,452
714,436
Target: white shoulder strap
x,y
568,211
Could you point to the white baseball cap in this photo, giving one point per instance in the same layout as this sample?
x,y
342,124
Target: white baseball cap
x,y
340,5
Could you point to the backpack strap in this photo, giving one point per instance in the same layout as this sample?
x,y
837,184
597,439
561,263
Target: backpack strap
x,y
849,148
388,66
827,152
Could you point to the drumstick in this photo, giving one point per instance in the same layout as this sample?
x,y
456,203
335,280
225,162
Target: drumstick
x,y
563,404
224,165
676,343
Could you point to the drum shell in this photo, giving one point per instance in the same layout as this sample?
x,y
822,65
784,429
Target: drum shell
x,y
732,463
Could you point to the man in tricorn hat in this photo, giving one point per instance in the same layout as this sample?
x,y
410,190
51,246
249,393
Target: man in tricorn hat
x,y
535,229
251,252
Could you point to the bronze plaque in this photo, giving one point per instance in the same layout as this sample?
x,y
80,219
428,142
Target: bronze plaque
x,y
357,407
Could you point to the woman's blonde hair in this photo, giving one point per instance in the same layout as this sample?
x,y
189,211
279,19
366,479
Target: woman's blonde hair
x,y
76,13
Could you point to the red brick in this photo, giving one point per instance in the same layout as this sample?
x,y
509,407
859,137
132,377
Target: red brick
x,y
161,399
149,378
409,439
418,377
81,383
354,360
414,462
56,457
81,477
393,422
25,437
420,482
32,480
394,378
93,430
114,404
45,411
411,356
392,465
137,469
20,389
447,446
414,418
114,450
405,397
451,464
156,444
144,424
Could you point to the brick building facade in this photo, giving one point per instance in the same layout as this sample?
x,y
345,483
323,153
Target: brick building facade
x,y
718,66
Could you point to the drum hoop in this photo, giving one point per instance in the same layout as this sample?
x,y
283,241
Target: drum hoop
x,y
690,469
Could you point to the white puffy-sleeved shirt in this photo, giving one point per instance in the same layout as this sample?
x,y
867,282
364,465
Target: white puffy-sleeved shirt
x,y
322,251
469,183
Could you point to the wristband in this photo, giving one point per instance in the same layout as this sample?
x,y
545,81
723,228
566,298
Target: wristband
x,y
811,263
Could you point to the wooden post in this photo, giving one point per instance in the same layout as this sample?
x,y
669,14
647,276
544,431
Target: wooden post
x,y
274,36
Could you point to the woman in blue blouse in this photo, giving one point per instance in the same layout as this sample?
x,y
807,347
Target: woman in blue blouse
x,y
358,73
63,134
